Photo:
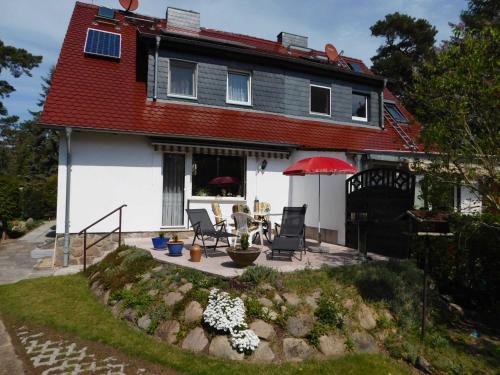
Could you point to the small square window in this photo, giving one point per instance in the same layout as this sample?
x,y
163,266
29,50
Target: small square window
x,y
239,88
182,79
320,100
359,107
395,112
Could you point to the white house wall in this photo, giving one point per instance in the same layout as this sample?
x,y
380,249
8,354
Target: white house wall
x,y
111,170
304,189
108,171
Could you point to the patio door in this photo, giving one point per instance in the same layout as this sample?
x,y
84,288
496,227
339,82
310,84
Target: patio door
x,y
173,190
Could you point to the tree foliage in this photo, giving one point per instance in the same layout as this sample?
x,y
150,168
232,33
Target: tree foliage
x,y
481,13
408,43
457,97
17,61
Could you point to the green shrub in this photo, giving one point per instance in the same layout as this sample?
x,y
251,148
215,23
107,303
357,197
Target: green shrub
x,y
319,329
138,300
158,314
259,274
254,308
330,312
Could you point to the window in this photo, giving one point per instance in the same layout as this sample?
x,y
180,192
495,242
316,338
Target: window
x,y
239,88
320,100
355,67
395,112
182,79
222,176
359,107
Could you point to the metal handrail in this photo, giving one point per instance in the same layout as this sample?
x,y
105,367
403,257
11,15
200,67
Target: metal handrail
x,y
84,231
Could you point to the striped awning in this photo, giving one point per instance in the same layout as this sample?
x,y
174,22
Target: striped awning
x,y
223,151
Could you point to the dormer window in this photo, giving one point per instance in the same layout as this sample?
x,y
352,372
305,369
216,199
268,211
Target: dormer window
x,y
395,112
320,100
239,88
182,79
360,107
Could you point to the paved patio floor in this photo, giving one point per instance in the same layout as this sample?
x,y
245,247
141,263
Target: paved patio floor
x,y
219,262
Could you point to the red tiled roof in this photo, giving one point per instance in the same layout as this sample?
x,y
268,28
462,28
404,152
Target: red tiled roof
x,y
92,93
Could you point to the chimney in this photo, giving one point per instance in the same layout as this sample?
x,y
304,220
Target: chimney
x,y
184,19
289,39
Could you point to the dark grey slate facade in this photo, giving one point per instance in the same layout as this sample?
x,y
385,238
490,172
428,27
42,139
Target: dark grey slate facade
x,y
274,90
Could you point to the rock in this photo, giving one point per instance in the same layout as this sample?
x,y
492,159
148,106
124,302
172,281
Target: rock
x,y
30,221
348,304
117,308
105,297
300,326
196,340
279,284
331,345
265,302
172,298
153,292
296,350
283,309
291,298
263,354
157,268
129,286
422,364
270,314
387,315
456,311
263,330
312,302
168,330
146,276
266,287
364,342
185,288
366,317
95,276
244,297
277,299
129,314
221,347
144,322
193,312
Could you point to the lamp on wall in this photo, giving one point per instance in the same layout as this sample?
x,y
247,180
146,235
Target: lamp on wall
x,y
262,166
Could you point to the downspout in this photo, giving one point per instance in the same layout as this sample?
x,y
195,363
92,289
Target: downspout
x,y
381,110
155,87
68,190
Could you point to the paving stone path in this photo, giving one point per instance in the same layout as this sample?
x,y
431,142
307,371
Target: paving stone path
x,y
65,357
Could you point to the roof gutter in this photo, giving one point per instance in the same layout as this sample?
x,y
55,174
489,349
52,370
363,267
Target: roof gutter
x,y
67,201
381,99
198,45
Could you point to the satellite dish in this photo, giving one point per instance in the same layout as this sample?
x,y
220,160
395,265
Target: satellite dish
x,y
331,52
129,5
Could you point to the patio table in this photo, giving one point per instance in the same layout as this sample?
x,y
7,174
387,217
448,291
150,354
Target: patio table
x,y
267,225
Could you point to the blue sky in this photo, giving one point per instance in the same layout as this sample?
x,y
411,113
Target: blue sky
x,y
40,25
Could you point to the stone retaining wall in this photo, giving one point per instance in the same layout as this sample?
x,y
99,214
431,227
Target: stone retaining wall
x,y
99,250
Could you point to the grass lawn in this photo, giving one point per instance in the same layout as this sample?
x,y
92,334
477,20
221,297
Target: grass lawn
x,y
65,304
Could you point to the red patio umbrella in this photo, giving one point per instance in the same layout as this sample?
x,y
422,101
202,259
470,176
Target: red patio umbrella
x,y
319,165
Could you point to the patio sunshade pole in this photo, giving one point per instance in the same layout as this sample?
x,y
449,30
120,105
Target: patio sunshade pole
x,y
319,209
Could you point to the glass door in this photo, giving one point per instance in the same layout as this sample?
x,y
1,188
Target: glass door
x,y
173,190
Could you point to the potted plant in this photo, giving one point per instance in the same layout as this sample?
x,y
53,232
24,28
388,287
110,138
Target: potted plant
x,y
175,246
244,255
160,242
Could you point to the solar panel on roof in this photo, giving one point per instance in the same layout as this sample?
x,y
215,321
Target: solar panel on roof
x,y
355,67
103,43
106,13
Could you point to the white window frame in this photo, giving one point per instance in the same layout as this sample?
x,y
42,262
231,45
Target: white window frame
x,y
195,81
329,100
356,118
242,73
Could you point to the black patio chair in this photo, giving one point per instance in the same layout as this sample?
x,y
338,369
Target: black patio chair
x,y
291,237
203,228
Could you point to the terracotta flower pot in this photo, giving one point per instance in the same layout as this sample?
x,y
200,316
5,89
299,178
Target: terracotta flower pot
x,y
195,253
243,258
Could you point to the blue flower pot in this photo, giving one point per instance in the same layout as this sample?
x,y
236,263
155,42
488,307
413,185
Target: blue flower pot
x,y
175,248
160,243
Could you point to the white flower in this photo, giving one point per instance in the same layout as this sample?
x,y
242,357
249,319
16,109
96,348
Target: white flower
x,y
244,341
227,314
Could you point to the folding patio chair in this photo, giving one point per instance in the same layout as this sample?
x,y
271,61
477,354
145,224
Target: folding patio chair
x,y
291,237
203,228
